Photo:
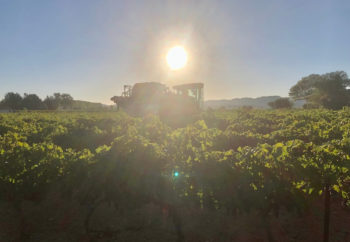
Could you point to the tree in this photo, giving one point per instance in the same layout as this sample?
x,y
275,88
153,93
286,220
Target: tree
x,y
13,101
304,87
281,103
32,102
328,90
51,103
2,105
66,100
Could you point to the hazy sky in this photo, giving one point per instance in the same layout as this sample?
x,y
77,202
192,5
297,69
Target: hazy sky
x,y
91,48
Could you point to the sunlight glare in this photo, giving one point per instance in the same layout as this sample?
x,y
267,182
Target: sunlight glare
x,y
177,57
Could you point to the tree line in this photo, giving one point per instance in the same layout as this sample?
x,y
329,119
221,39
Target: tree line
x,y
329,90
14,101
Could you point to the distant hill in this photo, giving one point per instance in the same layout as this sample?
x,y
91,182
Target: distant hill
x,y
259,102
90,106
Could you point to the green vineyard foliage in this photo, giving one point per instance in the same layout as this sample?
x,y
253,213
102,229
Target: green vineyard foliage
x,y
232,161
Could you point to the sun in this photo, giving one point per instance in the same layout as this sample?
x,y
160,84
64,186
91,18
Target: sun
x,y
177,57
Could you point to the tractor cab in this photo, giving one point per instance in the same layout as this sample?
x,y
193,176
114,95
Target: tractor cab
x,y
192,90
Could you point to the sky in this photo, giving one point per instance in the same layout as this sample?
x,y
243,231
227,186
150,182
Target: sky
x,y
91,48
